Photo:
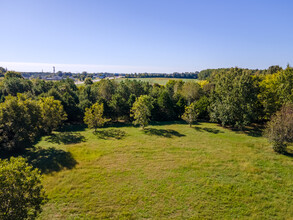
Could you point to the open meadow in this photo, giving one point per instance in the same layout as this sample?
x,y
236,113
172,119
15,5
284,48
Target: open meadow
x,y
167,171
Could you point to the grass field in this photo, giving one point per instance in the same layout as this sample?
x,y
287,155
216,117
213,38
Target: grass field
x,y
168,171
161,81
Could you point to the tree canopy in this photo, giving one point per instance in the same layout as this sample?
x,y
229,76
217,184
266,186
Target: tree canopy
x,y
21,191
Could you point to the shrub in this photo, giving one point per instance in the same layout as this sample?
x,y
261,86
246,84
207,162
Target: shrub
x,y
279,130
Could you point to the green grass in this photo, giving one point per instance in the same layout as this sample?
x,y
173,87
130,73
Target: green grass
x,y
161,81
169,171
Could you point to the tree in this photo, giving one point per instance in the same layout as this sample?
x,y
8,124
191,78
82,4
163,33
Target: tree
x,y
12,74
14,85
21,191
88,81
141,110
268,94
191,91
274,69
202,106
52,113
119,106
166,106
93,116
20,119
279,130
190,114
234,99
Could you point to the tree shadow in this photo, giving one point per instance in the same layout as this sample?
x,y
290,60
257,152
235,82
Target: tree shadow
x,y
210,130
289,152
110,133
118,124
50,159
72,128
253,131
66,138
163,123
168,133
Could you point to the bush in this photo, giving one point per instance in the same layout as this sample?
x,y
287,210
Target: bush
x,y
21,191
279,130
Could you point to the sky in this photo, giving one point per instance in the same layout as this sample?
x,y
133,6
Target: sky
x,y
145,35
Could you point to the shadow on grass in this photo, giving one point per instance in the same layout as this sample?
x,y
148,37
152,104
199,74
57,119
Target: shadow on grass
x,y
163,123
253,131
50,159
210,130
66,138
163,132
73,127
110,133
289,152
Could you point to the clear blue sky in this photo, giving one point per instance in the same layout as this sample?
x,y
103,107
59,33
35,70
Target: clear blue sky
x,y
145,35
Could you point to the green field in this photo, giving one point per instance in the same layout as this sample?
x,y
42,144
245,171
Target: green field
x,y
168,171
161,81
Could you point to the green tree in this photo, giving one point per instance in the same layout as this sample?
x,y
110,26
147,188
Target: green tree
x,y
190,115
234,99
119,106
202,106
191,91
141,110
88,81
14,85
279,130
52,114
21,192
20,119
93,116
166,106
268,95
12,74
106,89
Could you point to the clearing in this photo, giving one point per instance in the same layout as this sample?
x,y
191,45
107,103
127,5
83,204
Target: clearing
x,y
168,171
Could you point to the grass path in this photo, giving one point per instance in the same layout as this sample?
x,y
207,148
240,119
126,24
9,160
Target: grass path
x,y
169,171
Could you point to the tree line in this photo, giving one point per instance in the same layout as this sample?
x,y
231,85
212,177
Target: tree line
x,y
232,97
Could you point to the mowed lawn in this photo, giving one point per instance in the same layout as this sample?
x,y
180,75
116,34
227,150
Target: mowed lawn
x,y
161,81
168,171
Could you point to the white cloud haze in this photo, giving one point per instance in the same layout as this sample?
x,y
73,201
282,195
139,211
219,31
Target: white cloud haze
x,y
48,67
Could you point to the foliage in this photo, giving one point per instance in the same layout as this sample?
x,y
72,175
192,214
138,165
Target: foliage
x,y
94,116
234,99
279,130
202,107
141,110
21,191
190,115
14,85
166,107
12,74
52,114
191,91
88,81
20,120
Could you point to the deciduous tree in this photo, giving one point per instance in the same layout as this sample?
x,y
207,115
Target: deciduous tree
x,y
190,114
52,114
141,110
94,116
21,192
